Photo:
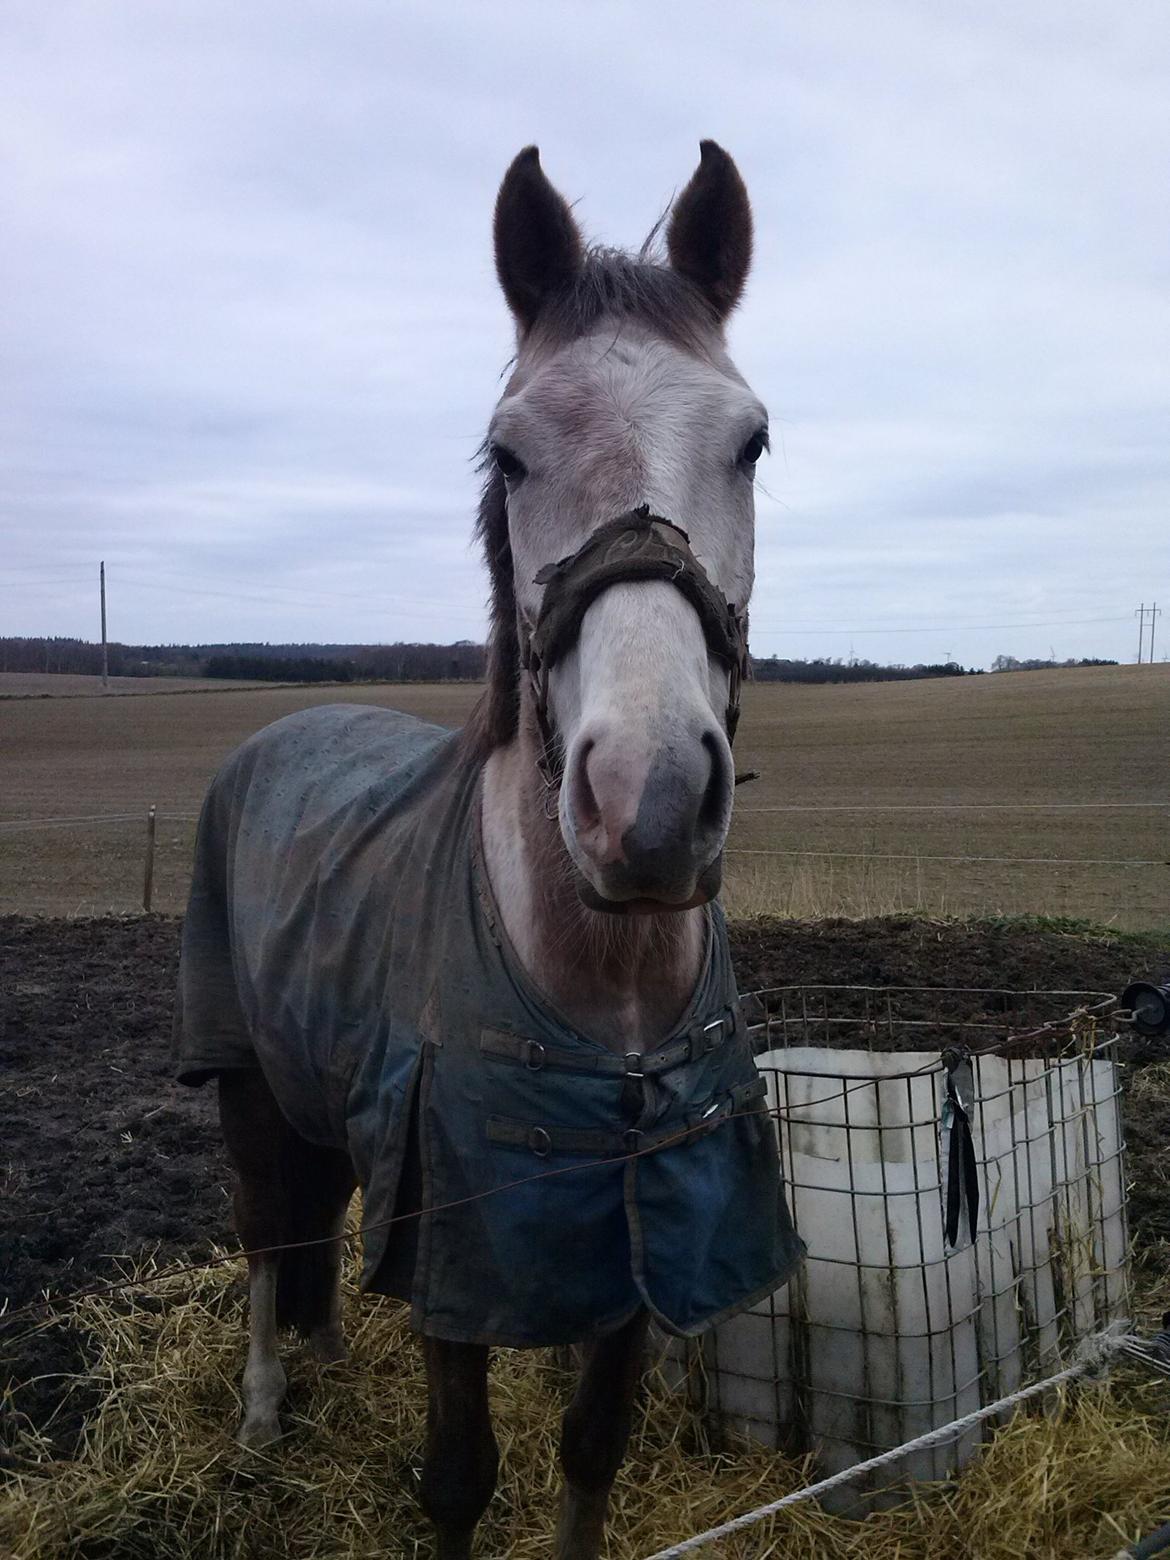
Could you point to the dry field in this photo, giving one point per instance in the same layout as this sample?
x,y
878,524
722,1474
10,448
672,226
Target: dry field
x,y
65,685
1031,770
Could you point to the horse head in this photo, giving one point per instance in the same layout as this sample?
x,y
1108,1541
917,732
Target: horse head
x,y
618,518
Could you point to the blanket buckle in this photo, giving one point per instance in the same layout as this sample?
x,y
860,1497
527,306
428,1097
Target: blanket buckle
x,y
633,1084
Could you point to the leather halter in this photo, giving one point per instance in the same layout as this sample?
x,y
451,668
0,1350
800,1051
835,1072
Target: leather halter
x,y
635,546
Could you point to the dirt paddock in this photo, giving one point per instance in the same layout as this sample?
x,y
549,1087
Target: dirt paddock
x,y
105,1159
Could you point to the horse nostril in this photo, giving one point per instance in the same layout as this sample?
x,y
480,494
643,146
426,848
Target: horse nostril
x,y
585,808
713,807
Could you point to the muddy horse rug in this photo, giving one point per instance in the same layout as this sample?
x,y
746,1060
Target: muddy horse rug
x,y
342,936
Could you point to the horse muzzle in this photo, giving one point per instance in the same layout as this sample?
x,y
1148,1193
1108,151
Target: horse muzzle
x,y
645,831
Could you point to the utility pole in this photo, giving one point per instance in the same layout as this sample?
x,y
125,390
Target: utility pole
x,y
1153,613
105,652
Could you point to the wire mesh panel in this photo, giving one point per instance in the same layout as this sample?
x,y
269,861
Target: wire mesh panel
x,y
890,1330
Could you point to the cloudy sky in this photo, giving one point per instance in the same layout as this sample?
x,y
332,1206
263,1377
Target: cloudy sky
x,y
250,335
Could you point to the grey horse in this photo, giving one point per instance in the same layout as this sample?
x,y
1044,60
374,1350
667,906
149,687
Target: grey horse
x,y
483,974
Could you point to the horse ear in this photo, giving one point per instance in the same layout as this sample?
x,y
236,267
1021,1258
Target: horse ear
x,y
538,244
709,239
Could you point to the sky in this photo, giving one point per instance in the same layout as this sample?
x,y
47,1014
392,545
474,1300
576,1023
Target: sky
x,y
251,335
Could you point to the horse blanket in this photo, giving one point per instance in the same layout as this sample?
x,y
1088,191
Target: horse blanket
x,y
342,936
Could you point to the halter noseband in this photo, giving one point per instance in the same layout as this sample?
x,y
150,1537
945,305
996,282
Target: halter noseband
x,y
635,546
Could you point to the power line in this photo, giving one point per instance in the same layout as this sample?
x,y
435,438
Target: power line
x,y
929,620
314,593
1015,861
316,598
870,807
322,599
38,568
792,626
942,628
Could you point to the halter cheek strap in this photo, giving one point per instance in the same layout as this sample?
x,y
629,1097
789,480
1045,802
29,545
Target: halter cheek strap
x,y
635,546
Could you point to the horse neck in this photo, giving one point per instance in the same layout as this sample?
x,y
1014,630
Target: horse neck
x,y
623,980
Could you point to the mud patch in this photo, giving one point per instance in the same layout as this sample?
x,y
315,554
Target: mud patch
x,y
104,1158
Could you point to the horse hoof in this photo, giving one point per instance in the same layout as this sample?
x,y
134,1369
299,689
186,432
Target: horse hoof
x,y
329,1348
258,1432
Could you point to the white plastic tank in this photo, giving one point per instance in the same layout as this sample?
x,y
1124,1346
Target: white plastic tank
x,y
889,1330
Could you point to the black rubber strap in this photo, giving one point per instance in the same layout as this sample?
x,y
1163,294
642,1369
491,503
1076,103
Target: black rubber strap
x,y
962,1191
636,546
543,1141
698,1041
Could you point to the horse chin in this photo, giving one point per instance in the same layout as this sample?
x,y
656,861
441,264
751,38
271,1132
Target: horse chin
x,y
706,888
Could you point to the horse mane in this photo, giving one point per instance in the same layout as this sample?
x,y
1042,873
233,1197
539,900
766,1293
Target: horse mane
x,y
496,716
610,285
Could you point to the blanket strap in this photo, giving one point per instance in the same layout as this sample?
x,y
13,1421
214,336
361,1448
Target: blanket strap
x,y
699,1040
587,1140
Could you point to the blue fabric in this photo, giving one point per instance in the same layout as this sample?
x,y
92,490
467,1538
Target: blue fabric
x,y
341,935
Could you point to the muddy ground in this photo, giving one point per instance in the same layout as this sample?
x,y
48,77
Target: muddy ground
x,y
103,1158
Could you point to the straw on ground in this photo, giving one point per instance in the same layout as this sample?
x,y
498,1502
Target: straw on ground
x,y
160,1474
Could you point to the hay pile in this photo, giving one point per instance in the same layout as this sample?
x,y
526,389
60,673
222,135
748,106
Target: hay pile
x,y
159,1474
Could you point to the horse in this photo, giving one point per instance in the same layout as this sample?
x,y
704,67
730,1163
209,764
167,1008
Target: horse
x,y
483,974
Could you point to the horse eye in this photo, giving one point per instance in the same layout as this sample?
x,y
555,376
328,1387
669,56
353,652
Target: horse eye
x,y
755,447
510,466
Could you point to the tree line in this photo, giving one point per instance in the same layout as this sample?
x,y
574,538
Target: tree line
x,y
775,668
462,661
300,668
1008,663
256,662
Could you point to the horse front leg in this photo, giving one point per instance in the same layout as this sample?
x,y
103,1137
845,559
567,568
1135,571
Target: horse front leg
x,y
254,1130
594,1435
264,1378
461,1461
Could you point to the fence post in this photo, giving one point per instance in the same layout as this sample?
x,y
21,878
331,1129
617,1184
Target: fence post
x,y
148,872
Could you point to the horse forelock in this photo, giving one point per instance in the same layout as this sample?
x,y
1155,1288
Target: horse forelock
x,y
613,285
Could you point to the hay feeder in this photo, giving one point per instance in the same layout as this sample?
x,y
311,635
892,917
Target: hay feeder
x,y
893,1329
